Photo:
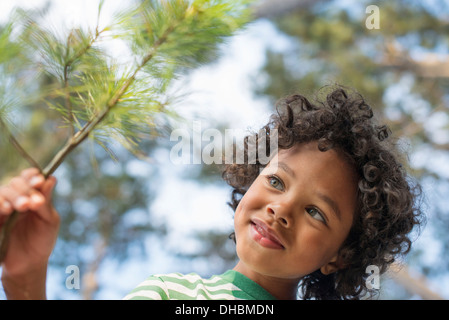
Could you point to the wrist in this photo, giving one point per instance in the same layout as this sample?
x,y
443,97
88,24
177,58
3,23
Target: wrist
x,y
26,286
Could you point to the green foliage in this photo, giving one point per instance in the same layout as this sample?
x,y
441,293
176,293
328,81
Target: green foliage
x,y
98,96
8,49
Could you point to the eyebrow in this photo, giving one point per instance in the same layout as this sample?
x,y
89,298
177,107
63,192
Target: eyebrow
x,y
331,203
286,168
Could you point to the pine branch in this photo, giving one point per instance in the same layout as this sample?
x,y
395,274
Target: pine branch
x,y
79,137
191,50
84,132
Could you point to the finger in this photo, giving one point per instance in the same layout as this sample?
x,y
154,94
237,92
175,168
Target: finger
x,y
18,200
47,211
30,172
47,187
36,200
33,176
5,207
18,193
20,185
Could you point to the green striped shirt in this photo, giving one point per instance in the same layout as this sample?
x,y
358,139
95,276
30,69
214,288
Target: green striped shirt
x,y
230,285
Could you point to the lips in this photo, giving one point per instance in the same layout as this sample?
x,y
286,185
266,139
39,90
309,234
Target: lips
x,y
264,235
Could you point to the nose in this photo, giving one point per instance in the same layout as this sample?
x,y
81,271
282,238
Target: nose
x,y
280,214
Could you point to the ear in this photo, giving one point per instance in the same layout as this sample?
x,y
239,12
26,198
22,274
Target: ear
x,y
334,264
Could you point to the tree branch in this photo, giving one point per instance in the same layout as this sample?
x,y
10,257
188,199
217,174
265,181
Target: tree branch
x,y
431,66
18,147
402,276
84,132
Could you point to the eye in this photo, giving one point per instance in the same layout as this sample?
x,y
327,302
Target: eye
x,y
316,214
275,182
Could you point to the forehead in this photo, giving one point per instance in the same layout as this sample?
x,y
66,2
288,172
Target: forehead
x,y
325,169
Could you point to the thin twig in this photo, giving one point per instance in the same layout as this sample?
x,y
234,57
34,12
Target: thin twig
x,y
67,67
18,146
67,91
84,132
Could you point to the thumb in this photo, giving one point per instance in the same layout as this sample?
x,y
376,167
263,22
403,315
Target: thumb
x,y
46,211
47,188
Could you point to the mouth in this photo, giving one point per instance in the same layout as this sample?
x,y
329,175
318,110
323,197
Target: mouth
x,y
264,235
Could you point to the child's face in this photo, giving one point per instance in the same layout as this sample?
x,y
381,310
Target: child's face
x,y
297,213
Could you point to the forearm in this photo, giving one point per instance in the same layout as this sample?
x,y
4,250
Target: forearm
x,y
30,286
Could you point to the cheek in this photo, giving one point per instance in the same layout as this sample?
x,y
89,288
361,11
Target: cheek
x,y
239,217
249,204
254,199
314,249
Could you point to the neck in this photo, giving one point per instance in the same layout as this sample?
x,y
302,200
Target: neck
x,y
280,288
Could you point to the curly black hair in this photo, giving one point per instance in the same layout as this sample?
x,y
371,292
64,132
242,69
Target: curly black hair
x,y
388,200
